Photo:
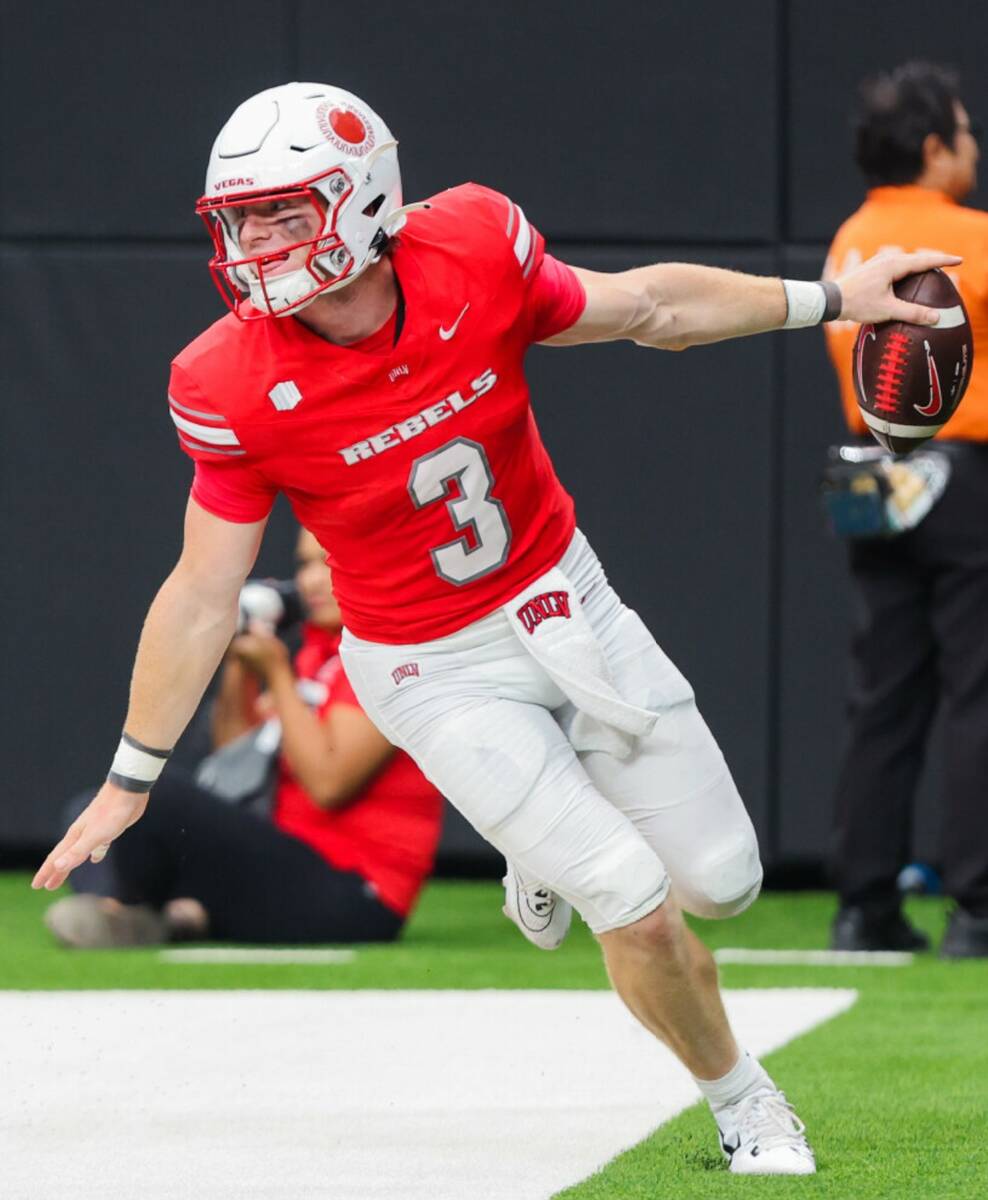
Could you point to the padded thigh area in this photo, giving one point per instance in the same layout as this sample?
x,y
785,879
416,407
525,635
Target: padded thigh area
x,y
492,755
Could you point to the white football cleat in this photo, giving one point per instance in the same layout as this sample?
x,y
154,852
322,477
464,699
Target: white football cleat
x,y
761,1135
542,916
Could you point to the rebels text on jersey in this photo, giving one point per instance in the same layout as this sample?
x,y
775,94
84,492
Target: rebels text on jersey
x,y
417,464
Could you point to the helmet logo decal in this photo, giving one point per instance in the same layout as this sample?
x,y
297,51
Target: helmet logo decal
x,y
346,127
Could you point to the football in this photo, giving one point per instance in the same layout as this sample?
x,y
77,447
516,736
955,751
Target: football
x,y
910,378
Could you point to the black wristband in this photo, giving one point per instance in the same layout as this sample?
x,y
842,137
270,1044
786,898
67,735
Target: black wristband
x,y
136,745
129,784
833,300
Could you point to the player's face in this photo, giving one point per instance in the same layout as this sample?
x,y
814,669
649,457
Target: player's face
x,y
964,175
267,227
315,583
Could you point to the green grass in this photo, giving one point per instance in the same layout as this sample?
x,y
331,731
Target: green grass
x,y
895,1092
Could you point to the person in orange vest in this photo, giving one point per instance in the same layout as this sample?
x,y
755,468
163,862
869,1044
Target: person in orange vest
x,y
920,647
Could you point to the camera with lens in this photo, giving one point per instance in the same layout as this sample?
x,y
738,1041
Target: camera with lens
x,y
275,603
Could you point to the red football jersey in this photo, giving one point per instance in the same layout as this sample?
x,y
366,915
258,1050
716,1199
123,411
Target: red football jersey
x,y
417,465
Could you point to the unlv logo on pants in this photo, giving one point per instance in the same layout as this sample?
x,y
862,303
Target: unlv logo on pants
x,y
540,608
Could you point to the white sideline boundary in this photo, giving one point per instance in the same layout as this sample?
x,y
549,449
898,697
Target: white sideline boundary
x,y
244,956
360,1095
816,958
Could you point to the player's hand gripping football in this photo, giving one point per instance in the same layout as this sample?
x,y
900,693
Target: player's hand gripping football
x,y
867,290
111,811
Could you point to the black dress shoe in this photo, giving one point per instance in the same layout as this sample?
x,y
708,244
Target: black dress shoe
x,y
966,936
855,928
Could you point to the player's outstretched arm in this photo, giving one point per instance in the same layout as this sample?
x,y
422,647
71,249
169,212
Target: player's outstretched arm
x,y
188,628
671,306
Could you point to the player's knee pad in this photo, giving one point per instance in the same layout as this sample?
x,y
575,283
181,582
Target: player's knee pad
x,y
727,880
624,883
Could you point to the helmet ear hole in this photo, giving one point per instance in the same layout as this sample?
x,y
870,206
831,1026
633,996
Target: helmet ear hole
x,y
374,207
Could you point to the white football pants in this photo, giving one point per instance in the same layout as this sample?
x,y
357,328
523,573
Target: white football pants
x,y
489,727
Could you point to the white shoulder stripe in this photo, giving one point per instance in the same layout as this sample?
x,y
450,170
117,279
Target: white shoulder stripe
x,y
531,260
211,449
524,239
511,219
206,433
193,412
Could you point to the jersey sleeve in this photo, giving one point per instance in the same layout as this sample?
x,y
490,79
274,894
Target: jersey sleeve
x,y
204,433
556,299
224,483
553,297
234,491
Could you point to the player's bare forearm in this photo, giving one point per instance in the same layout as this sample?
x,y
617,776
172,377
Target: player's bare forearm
x,y
185,635
189,626
689,305
671,306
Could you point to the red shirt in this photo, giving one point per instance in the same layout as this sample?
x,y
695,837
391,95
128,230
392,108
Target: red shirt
x,y
389,832
419,467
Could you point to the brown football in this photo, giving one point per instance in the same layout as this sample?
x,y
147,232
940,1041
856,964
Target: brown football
x,y
910,378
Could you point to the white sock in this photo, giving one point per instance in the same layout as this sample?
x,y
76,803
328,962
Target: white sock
x,y
746,1076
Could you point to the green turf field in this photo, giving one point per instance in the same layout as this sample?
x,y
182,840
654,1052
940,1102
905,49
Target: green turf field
x,y
894,1092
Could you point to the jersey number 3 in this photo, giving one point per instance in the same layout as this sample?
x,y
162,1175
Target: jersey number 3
x,y
460,474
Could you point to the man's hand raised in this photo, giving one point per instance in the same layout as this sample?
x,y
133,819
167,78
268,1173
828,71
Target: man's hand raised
x,y
867,290
111,811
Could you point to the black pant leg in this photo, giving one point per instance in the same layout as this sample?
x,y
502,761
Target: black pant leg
x,y
891,701
955,542
256,883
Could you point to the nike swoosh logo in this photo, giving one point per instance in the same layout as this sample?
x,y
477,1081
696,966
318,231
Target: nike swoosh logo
x,y
867,331
446,334
936,400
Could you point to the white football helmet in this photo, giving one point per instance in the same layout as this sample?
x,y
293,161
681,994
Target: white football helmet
x,y
301,141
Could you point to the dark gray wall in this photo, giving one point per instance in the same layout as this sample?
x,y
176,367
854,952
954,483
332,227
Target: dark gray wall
x,y
629,132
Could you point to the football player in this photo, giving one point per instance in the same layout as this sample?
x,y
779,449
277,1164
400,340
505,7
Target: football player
x,y
372,370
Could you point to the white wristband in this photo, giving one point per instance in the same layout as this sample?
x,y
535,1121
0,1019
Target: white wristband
x,y
805,303
136,767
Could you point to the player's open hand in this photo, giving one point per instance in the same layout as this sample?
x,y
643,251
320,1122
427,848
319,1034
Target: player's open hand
x,y
867,290
111,811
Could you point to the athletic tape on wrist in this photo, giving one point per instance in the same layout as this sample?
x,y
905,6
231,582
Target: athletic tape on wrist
x,y
810,302
136,767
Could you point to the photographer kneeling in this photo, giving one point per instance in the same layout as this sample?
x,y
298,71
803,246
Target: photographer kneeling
x,y
349,842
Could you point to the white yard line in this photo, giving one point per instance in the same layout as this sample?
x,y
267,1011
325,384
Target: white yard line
x,y
816,958
241,955
294,1095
